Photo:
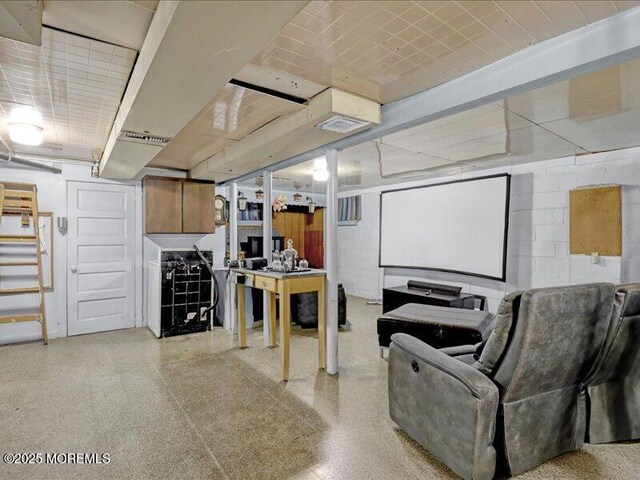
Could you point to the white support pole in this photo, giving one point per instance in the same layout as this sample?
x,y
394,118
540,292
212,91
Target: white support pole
x,y
267,177
331,261
233,255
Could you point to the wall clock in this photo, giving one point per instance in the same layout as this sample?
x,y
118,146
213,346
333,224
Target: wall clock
x,y
220,204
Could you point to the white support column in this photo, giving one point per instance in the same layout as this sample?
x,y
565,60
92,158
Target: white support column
x,y
267,177
331,261
233,255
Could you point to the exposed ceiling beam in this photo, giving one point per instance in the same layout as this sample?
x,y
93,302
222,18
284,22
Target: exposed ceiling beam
x,y
21,21
120,23
288,135
610,41
191,51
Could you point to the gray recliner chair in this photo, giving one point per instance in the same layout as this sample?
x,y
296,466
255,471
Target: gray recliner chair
x,y
523,401
614,391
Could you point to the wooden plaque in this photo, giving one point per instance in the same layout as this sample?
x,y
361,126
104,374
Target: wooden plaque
x,y
595,220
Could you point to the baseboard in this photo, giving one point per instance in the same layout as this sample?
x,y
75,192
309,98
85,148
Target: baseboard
x,y
26,337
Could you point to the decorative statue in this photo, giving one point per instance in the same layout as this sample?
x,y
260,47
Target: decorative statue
x,y
280,203
290,256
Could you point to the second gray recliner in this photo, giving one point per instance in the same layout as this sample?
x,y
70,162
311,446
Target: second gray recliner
x,y
614,390
523,401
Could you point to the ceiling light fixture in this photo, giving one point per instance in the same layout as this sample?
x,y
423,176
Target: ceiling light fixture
x,y
25,126
320,172
340,124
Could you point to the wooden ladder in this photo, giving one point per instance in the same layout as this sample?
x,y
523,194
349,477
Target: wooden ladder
x,y
22,199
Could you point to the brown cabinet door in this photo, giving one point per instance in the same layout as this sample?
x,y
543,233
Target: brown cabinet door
x,y
163,205
198,215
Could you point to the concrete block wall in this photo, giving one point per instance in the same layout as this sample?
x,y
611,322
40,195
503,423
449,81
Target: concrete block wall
x,y
538,247
358,251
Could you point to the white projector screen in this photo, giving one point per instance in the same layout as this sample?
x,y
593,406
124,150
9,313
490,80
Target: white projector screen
x,y
456,227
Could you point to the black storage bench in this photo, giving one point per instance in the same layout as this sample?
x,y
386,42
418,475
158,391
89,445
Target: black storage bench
x,y
440,327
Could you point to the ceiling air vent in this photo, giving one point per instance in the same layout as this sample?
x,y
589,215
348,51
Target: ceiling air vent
x,y
145,138
341,124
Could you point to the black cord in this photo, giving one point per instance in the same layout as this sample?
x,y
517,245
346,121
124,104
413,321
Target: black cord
x,y
213,278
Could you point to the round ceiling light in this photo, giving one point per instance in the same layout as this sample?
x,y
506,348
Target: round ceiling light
x,y
25,126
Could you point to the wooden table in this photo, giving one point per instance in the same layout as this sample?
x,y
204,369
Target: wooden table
x,y
284,285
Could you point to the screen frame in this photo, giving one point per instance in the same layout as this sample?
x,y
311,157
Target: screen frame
x,y
502,278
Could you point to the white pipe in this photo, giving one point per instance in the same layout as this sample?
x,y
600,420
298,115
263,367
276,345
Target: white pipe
x,y
233,255
331,261
267,177
10,158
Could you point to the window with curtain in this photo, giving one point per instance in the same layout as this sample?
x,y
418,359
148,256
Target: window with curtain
x,y
349,209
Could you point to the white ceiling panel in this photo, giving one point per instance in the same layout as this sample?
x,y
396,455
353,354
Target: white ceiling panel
x,y
229,116
597,111
74,82
115,21
590,113
387,50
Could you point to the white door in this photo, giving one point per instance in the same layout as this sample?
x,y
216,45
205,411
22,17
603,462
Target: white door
x,y
100,251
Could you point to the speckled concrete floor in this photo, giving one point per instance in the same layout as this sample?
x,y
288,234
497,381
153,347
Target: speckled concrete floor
x,y
196,407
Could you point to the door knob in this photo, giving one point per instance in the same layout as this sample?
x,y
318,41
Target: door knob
x,y
74,269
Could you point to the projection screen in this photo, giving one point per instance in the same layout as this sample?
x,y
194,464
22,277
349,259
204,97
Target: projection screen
x,y
458,227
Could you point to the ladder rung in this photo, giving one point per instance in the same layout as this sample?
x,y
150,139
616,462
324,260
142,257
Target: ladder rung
x,y
17,239
30,186
18,194
11,291
24,204
17,210
32,317
18,264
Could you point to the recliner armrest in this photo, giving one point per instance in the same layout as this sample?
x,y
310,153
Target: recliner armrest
x,y
449,407
460,350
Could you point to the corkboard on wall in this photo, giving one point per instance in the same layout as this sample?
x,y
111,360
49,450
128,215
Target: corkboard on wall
x,y
595,220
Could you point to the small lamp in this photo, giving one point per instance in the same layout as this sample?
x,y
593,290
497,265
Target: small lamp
x,y
242,202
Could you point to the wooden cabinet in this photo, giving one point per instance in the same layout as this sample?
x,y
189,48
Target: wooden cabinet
x,y
306,231
163,205
175,205
198,213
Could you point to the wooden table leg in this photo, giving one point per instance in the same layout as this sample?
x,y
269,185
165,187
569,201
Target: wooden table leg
x,y
322,327
285,328
272,319
242,319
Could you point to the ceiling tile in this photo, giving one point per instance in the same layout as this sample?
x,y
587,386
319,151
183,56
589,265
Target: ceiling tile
x,y
594,10
369,48
65,80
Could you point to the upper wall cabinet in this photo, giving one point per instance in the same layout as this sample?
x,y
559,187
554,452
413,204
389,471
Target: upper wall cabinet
x,y
174,205
198,212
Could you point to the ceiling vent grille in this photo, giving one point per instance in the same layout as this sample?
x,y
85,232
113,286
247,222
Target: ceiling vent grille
x,y
145,138
341,124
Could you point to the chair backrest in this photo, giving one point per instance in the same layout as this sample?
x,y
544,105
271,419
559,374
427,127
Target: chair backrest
x,y
548,338
614,387
621,356
544,345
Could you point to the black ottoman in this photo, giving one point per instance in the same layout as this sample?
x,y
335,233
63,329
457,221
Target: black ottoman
x,y
440,327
